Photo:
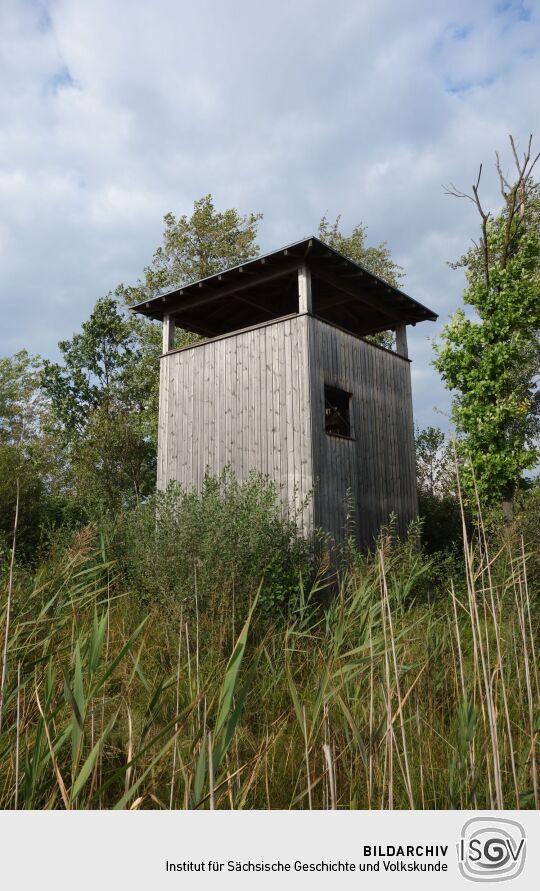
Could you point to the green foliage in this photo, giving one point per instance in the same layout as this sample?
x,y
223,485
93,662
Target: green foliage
x,y
114,462
441,522
14,465
492,359
438,504
21,405
195,247
376,258
209,552
29,455
527,511
97,365
112,703
491,362
435,470
103,398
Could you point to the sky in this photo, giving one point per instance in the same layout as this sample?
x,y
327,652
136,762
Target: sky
x,y
115,113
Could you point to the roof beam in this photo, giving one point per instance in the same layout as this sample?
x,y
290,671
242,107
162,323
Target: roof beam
x,y
264,309
220,293
338,283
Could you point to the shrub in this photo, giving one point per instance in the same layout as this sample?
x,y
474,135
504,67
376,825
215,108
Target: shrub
x,y
441,522
209,552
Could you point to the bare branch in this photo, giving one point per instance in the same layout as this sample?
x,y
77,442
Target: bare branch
x,y
456,193
503,181
514,196
475,188
516,158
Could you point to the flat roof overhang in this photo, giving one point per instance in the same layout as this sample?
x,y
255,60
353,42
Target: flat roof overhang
x,y
343,292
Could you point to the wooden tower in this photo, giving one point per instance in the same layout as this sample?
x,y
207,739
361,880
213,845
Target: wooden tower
x,y
286,384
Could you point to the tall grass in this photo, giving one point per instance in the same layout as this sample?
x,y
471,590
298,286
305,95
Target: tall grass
x,y
391,695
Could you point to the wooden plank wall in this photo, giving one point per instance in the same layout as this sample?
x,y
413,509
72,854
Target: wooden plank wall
x,y
242,400
378,462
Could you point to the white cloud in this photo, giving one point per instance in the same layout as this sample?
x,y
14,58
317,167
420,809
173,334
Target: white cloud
x,y
114,113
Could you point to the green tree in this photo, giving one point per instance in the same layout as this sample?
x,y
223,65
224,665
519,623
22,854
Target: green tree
x,y
376,258
434,463
22,406
438,504
195,247
113,464
105,407
491,359
95,367
104,392
27,455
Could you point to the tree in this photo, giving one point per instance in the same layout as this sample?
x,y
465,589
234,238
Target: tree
x,y
195,247
376,259
114,462
21,404
27,456
438,505
104,393
95,367
434,463
105,407
491,360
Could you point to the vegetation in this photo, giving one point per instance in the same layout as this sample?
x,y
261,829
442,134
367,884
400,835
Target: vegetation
x,y
174,650
127,688
80,434
196,247
438,501
104,408
376,258
492,361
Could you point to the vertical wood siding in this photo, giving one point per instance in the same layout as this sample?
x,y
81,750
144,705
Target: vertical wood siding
x,y
255,401
378,463
241,401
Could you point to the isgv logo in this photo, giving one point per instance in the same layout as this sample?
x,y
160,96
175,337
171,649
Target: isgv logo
x,y
491,849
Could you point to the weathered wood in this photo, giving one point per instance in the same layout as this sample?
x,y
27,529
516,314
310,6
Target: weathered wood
x,y
377,462
305,303
168,333
255,401
401,341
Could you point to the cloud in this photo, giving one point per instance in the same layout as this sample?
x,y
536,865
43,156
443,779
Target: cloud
x,y
114,114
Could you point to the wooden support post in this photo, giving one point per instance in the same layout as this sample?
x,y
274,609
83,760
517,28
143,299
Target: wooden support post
x,y
168,333
401,341
304,289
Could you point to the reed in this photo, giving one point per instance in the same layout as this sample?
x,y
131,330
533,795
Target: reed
x,y
384,696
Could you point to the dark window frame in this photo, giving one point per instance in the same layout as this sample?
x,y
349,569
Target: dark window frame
x,y
337,412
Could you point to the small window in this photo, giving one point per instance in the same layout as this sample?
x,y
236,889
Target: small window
x,y
337,421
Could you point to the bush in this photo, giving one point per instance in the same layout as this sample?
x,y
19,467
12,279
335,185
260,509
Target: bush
x,y
414,575
209,552
441,522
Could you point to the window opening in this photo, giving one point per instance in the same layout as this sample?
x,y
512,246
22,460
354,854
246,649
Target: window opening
x,y
337,420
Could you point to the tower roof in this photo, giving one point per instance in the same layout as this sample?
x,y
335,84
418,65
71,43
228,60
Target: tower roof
x,y
343,293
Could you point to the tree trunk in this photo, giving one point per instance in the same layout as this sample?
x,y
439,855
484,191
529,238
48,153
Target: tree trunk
x,y
508,505
508,511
